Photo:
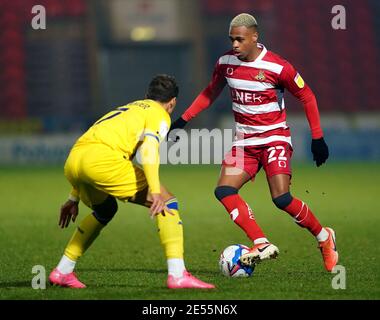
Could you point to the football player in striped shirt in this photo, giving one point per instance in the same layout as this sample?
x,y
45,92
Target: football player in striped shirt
x,y
100,171
256,78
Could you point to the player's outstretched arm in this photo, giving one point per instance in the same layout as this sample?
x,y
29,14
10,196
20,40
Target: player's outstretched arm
x,y
69,211
202,101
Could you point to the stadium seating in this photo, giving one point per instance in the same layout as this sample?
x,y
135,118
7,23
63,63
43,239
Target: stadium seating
x,y
15,18
342,66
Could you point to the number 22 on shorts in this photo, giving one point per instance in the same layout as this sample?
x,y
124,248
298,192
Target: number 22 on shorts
x,y
280,150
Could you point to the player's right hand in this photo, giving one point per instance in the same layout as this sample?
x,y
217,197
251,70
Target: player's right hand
x,y
158,206
180,123
69,211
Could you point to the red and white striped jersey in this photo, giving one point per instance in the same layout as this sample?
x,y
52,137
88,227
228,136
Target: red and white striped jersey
x,y
257,90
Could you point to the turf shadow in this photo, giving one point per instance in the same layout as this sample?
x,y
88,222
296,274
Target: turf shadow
x,y
15,284
155,271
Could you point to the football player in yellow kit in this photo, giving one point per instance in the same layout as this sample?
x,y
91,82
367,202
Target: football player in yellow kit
x,y
100,170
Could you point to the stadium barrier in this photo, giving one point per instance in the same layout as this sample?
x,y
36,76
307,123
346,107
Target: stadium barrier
x,y
202,146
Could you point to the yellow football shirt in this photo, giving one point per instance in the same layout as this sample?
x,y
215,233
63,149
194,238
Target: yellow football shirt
x,y
142,123
124,128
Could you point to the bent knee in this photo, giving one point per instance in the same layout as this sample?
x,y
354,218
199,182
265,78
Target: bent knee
x,y
105,211
283,200
224,191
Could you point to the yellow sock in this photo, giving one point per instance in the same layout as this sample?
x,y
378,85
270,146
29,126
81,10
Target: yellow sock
x,y
171,231
83,237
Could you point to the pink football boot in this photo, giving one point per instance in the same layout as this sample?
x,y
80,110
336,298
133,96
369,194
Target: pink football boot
x,y
187,281
65,280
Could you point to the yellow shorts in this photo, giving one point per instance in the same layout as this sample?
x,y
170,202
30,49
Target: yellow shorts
x,y
96,171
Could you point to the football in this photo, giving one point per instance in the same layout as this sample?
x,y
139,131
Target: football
x,y
229,262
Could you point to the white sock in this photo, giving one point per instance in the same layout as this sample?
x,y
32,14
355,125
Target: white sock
x,y
323,235
66,265
260,240
176,267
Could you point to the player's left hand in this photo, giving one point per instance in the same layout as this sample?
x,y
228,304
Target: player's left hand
x,y
69,211
320,151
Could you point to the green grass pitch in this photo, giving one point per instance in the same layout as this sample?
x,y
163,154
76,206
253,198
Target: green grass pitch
x,y
126,261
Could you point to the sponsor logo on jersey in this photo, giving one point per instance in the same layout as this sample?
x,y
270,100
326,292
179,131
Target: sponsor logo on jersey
x,y
260,76
299,81
244,97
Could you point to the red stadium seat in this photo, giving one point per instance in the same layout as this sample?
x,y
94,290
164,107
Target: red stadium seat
x,y
339,72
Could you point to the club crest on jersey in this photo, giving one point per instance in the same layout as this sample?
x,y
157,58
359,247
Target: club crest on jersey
x,y
260,76
230,71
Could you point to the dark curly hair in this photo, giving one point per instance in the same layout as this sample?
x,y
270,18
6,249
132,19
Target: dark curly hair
x,y
162,88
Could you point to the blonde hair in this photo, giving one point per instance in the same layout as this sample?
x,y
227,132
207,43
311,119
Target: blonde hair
x,y
243,20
